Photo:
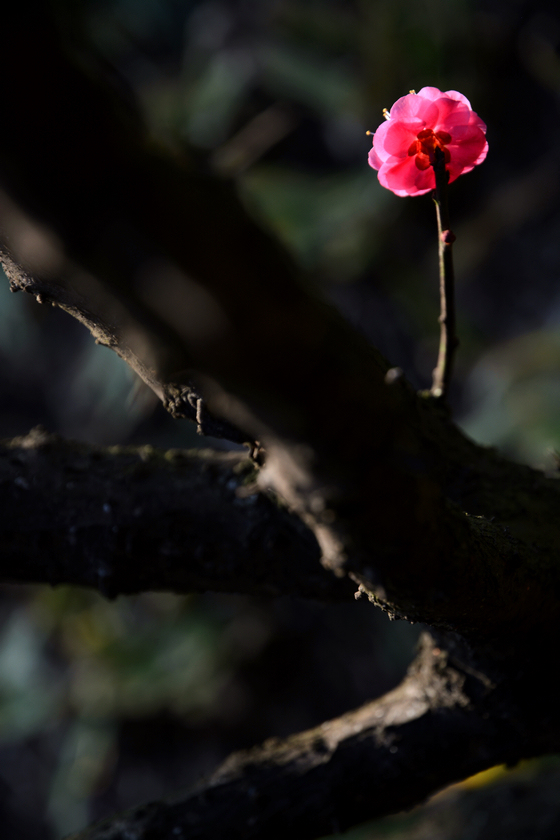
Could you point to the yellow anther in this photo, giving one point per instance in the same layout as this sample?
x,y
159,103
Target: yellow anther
x,y
412,91
386,114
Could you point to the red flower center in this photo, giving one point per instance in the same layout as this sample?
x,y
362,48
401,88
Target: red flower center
x,y
425,145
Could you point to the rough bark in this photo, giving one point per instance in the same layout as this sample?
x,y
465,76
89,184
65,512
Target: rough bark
x,y
125,520
164,264
447,720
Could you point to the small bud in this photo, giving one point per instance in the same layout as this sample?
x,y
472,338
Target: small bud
x,y
393,375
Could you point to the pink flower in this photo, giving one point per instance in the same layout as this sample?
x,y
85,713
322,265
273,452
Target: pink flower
x,y
403,146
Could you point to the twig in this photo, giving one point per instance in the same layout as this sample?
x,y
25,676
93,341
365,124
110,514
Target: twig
x,y
448,341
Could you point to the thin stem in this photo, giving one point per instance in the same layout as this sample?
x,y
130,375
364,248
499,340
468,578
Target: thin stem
x,y
448,340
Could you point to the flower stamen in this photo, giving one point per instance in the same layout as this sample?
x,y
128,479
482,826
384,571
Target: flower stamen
x,y
425,145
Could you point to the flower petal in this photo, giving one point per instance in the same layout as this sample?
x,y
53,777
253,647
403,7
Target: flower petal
x,y
379,141
373,159
432,93
451,114
454,94
403,178
475,120
398,138
414,111
467,154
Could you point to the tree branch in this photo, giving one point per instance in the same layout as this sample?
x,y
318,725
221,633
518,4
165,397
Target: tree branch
x,y
168,260
163,263
447,720
131,333
125,520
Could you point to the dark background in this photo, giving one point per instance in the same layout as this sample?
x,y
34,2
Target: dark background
x,y
107,704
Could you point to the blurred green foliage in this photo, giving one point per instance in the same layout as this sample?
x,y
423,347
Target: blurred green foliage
x,y
71,659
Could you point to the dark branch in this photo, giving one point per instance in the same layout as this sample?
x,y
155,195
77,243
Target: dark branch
x,y
126,520
165,265
114,324
446,721
172,266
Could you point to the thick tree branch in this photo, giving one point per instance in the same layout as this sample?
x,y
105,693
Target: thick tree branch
x,y
126,520
167,260
447,720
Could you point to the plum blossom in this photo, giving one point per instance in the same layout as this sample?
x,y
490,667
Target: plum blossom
x,y
404,146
